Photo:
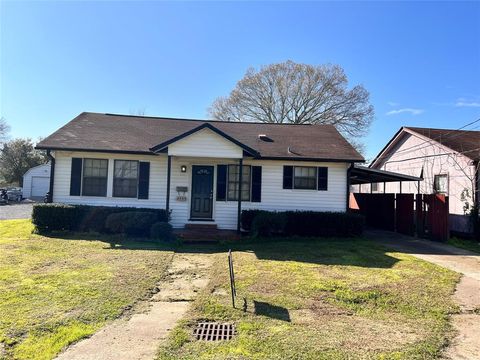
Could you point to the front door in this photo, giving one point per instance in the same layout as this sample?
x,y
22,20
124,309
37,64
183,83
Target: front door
x,y
202,192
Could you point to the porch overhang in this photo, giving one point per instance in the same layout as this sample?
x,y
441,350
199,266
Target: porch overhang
x,y
365,175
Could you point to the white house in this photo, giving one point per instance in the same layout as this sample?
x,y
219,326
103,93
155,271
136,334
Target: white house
x,y
36,182
194,167
448,160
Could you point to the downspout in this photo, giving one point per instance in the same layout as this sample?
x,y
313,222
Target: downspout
x,y
239,210
52,176
169,171
347,201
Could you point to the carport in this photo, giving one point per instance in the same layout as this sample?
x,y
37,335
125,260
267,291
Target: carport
x,y
423,214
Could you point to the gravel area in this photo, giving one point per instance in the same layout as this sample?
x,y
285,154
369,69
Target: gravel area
x,y
21,210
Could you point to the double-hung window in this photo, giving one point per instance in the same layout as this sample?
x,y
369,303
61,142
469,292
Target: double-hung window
x,y
95,173
305,177
234,181
440,184
125,178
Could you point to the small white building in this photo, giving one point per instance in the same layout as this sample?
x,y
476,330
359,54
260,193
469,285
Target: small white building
x,y
36,182
448,161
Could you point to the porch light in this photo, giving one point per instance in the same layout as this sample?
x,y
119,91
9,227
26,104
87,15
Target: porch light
x,y
183,168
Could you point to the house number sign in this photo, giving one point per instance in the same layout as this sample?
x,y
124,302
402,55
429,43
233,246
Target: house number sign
x,y
182,191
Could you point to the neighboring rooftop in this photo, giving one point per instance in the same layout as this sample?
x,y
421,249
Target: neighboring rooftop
x,y
466,142
139,134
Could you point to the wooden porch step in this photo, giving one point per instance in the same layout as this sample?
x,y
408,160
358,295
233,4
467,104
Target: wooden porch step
x,y
201,226
205,235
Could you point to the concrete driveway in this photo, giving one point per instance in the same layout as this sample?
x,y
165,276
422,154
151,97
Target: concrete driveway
x,y
466,345
22,210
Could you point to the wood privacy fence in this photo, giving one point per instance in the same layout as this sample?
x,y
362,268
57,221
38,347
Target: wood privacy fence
x,y
425,215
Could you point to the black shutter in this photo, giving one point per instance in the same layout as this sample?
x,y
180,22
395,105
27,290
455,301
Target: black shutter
x,y
221,182
288,177
76,177
143,180
256,183
323,178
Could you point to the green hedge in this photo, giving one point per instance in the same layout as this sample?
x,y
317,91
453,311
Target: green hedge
x,y
302,223
84,218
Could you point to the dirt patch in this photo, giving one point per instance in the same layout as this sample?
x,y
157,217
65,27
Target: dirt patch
x,y
137,336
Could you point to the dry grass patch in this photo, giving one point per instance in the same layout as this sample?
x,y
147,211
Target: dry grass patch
x,y
323,299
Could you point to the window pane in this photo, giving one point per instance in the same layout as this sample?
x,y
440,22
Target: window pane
x,y
233,182
125,180
305,177
440,183
95,177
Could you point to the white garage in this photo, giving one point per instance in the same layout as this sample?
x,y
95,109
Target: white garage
x,y
36,181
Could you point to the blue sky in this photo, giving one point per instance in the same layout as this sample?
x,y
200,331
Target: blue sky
x,y
419,60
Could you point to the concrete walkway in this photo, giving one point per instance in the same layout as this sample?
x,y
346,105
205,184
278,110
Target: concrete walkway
x,y
466,345
138,337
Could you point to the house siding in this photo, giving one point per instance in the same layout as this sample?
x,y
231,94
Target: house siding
x,y
205,143
274,197
408,157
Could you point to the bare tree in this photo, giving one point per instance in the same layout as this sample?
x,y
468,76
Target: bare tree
x,y
298,93
4,130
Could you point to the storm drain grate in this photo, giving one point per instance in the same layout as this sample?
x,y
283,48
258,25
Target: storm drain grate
x,y
213,331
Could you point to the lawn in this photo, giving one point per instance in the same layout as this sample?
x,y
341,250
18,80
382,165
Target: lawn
x,y
56,291
467,244
322,299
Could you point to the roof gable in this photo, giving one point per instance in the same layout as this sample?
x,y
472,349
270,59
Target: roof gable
x,y
192,132
466,143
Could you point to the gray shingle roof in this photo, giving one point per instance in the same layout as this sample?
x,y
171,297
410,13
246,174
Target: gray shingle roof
x,y
138,134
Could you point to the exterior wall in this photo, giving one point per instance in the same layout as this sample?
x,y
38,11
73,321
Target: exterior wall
x,y
41,171
274,197
205,143
408,157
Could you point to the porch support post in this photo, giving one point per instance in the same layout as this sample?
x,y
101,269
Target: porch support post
x,y
169,171
400,187
52,176
239,211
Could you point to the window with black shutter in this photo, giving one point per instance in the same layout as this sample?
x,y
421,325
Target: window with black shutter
x,y
256,183
323,178
221,182
76,177
288,177
143,180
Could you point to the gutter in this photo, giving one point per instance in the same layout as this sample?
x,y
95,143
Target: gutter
x,y
347,201
52,176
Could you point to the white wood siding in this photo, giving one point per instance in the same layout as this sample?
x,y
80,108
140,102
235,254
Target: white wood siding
x,y
435,159
274,197
205,143
37,171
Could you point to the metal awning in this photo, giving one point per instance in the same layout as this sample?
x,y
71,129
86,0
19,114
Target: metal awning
x,y
365,175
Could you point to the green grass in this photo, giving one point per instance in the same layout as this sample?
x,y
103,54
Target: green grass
x,y
322,299
55,291
467,244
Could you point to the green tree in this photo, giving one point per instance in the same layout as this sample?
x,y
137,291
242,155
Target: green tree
x,y
16,157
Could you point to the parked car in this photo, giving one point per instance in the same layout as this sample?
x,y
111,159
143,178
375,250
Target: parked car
x,y
3,197
15,194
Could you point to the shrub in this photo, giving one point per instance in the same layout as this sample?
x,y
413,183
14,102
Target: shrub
x,y
133,223
52,217
268,224
302,223
247,217
161,231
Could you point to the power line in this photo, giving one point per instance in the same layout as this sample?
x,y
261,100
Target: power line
x,y
444,136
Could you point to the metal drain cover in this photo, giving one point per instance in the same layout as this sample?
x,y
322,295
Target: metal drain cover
x,y
214,331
